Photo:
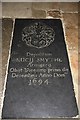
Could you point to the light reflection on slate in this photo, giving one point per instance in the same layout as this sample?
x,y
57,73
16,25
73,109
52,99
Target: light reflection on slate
x,y
39,81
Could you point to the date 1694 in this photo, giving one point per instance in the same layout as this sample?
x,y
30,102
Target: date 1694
x,y
39,82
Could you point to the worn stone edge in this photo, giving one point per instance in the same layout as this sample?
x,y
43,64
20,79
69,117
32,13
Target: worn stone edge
x,y
5,81
67,48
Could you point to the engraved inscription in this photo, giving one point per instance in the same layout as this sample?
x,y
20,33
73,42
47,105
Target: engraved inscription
x,y
40,68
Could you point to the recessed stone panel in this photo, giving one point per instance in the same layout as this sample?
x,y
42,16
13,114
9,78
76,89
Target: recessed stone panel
x,y
39,81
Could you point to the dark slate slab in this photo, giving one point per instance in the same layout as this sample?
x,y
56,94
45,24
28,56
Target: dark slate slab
x,y
39,81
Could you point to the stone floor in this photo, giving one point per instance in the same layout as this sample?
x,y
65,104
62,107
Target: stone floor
x,y
67,12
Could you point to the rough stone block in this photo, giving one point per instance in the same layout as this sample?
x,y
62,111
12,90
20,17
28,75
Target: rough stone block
x,y
38,13
64,6
71,28
0,10
15,9
6,37
45,5
68,6
54,13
